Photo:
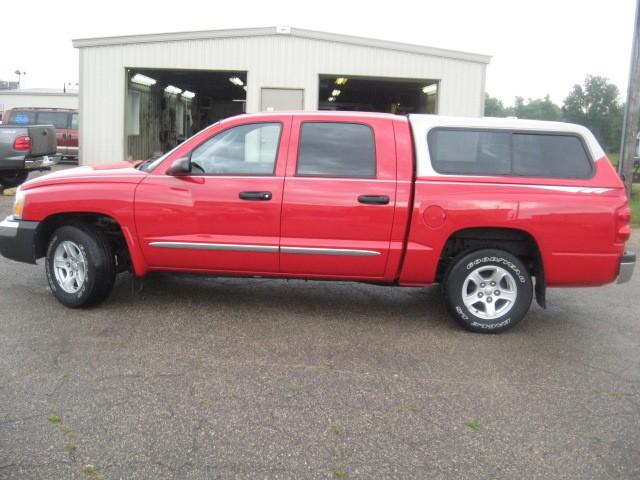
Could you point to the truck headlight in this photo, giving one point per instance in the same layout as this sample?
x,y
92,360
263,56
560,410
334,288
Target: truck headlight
x,y
18,203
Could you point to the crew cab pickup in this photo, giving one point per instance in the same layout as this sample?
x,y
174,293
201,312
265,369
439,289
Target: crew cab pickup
x,y
23,149
495,210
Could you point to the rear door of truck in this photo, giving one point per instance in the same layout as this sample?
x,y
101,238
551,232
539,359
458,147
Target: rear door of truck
x,y
339,197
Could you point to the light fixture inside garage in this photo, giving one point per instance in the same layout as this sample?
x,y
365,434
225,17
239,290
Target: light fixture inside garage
x,y
236,81
143,80
332,99
341,81
430,89
187,94
335,93
172,89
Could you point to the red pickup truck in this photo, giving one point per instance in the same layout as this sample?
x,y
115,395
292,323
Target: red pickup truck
x,y
495,210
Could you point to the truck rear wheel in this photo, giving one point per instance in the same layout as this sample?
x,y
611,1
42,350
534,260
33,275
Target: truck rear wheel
x,y
13,178
488,291
80,266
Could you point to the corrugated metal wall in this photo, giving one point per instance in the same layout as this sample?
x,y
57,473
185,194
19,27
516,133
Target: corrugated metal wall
x,y
8,100
271,61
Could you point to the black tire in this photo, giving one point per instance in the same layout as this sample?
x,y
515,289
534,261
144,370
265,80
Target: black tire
x,y
13,178
99,267
469,272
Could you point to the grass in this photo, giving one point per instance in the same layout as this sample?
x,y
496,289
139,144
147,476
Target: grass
x,y
55,419
341,474
473,425
634,203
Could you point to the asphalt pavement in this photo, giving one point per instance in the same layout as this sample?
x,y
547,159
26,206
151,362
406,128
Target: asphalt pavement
x,y
190,377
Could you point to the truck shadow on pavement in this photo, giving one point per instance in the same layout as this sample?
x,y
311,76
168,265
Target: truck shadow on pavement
x,y
251,297
208,298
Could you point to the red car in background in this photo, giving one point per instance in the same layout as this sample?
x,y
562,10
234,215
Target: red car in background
x,y
64,120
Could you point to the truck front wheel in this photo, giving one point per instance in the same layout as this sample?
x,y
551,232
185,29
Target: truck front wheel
x,y
13,178
488,291
80,266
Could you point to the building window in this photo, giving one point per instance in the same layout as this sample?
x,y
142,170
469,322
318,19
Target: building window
x,y
133,113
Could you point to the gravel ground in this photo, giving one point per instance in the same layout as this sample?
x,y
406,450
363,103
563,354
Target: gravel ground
x,y
187,377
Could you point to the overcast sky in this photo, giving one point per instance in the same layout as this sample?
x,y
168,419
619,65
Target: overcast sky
x,y
538,46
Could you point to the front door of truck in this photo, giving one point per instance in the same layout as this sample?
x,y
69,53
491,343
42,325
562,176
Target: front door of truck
x,y
224,216
339,197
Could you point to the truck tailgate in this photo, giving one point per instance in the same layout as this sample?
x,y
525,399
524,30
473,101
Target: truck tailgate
x,y
43,140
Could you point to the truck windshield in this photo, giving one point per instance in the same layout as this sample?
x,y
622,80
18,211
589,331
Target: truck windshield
x,y
149,165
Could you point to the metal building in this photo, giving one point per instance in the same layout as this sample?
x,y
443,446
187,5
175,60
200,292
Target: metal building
x,y
141,95
38,97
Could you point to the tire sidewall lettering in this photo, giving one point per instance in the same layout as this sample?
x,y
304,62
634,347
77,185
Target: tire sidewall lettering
x,y
472,261
503,261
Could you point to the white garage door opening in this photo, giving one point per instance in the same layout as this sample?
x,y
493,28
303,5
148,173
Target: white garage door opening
x,y
165,107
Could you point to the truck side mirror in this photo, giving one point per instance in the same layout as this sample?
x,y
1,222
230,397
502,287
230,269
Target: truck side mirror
x,y
180,168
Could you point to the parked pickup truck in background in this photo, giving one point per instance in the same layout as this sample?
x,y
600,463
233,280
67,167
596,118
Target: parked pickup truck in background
x,y
23,149
64,120
495,210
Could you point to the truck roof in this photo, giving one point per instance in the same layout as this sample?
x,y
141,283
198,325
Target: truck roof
x,y
432,120
328,113
496,122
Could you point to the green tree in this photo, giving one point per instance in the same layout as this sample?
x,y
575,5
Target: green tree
x,y
533,108
537,109
493,107
595,105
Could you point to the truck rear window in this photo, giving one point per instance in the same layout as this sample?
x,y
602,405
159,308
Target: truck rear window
x,y
22,118
59,120
521,154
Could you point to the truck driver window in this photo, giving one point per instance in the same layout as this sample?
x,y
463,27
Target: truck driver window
x,y
242,150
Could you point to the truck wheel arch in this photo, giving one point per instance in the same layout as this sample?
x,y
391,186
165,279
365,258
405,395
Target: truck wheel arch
x,y
515,241
123,240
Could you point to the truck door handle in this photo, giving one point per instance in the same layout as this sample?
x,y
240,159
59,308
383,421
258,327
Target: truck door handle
x,y
255,196
374,199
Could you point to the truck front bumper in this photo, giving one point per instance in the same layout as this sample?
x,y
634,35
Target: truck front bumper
x,y
627,264
17,239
